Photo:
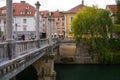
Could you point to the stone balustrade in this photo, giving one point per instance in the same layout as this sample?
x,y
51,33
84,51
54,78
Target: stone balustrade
x,y
17,64
3,51
25,53
21,47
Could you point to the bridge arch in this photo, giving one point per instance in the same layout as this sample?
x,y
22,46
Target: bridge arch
x,y
29,73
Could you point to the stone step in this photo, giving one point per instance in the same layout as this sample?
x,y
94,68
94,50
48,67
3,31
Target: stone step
x,y
83,55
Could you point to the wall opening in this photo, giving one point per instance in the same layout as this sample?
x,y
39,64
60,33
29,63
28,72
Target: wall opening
x,y
29,73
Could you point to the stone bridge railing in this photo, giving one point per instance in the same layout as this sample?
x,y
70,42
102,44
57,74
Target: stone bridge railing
x,y
24,54
19,47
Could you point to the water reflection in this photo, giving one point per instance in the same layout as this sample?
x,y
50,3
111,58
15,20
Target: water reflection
x,y
87,72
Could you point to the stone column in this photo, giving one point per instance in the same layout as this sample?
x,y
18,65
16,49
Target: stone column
x,y
9,29
37,23
9,20
37,19
50,27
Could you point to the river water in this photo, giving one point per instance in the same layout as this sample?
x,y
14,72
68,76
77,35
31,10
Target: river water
x,y
87,72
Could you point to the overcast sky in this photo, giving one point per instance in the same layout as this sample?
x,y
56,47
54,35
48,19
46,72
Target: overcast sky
x,y
63,5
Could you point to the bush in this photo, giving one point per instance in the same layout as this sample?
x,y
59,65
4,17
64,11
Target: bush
x,y
116,28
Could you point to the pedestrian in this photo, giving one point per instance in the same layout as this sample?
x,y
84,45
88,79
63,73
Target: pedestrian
x,y
23,37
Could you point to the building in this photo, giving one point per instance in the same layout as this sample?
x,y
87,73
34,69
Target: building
x,y
69,15
23,20
44,15
58,28
55,21
113,10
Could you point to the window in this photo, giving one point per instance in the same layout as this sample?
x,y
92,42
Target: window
x,y
43,30
71,18
24,28
58,19
4,11
63,19
57,24
22,12
30,12
58,30
63,24
24,20
27,7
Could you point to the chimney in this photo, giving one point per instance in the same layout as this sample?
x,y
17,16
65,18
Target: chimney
x,y
22,1
82,2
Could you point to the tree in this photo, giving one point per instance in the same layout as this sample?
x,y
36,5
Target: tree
x,y
95,25
92,21
118,12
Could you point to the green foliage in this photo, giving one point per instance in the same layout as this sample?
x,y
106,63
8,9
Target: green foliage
x,y
101,48
118,12
93,21
108,50
98,24
116,28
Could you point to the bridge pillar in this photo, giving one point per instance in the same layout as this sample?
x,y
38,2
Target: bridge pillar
x,y
45,68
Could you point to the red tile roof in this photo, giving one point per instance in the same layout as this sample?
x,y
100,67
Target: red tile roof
x,y
44,13
21,9
57,13
76,9
113,8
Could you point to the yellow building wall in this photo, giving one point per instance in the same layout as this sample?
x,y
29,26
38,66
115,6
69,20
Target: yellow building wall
x,y
69,24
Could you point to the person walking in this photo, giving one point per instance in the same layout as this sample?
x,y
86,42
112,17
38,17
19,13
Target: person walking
x,y
23,37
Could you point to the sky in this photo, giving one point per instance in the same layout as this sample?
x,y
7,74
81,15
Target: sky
x,y
63,5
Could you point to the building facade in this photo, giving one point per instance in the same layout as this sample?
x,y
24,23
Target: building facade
x,y
23,20
58,29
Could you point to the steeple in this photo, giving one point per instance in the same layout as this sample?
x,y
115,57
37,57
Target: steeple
x,y
82,2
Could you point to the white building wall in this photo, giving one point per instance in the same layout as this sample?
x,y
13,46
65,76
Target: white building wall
x,y
19,20
30,23
2,25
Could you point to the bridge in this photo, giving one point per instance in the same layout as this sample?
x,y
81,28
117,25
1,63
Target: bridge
x,y
26,53
38,54
15,56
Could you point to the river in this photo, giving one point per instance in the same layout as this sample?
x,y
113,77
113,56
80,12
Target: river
x,y
87,72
